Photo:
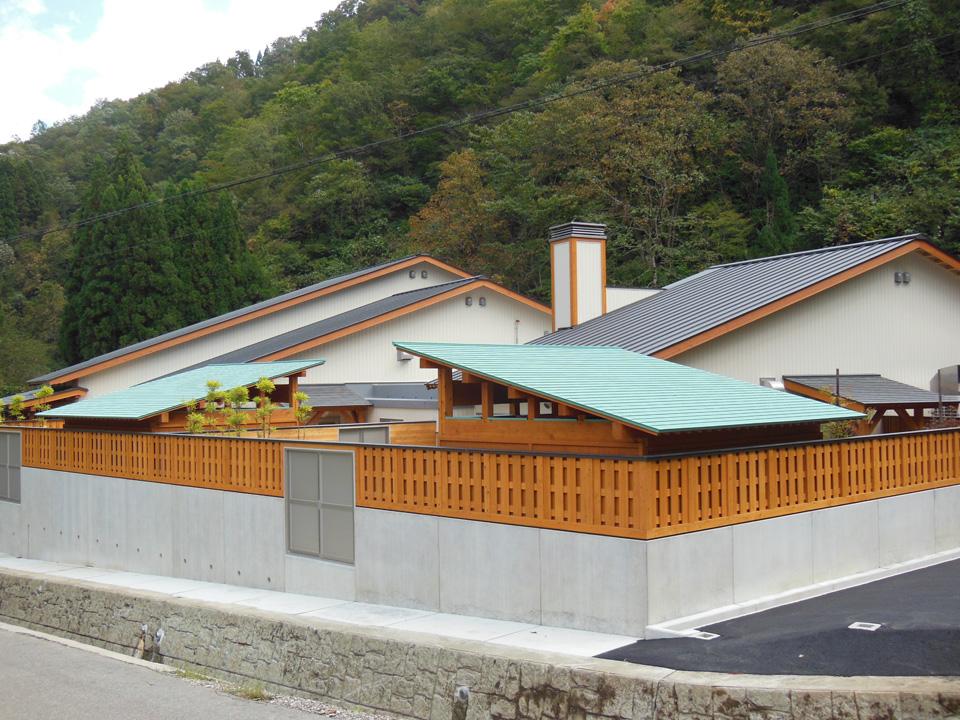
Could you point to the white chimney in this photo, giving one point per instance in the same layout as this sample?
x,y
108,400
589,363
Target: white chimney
x,y
578,269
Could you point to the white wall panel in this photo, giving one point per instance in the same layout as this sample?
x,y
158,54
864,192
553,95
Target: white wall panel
x,y
369,355
590,280
214,344
561,283
866,325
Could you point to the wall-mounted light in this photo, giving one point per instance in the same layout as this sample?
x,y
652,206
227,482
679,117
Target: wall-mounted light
x,y
468,301
483,302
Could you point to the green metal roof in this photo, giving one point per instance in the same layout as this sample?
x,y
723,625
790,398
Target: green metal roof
x,y
174,391
638,390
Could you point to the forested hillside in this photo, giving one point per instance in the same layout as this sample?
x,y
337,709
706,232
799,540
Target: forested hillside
x,y
846,129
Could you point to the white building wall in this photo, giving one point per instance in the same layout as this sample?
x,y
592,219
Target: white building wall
x,y
869,324
618,297
562,291
590,280
163,362
369,355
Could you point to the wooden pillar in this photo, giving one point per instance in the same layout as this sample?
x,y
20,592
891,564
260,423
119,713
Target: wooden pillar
x,y
486,400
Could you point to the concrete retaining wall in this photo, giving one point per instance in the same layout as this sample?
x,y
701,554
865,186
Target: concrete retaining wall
x,y
160,529
507,572
412,675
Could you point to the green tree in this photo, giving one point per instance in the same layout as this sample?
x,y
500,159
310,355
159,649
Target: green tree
x,y
778,228
123,286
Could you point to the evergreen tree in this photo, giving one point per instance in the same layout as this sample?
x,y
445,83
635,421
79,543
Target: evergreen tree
x,y
779,228
123,280
9,222
217,271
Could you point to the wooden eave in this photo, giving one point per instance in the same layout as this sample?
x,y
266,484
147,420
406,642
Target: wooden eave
x,y
59,379
57,397
401,312
920,246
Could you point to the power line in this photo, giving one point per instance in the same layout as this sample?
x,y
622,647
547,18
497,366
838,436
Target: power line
x,y
476,118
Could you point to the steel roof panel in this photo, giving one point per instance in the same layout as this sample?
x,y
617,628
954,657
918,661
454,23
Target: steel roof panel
x,y
639,390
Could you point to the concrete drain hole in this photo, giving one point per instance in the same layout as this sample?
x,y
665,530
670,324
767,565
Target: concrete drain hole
x,y
872,627
701,635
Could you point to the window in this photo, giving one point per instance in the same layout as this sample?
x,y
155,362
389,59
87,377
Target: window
x,y
320,504
10,466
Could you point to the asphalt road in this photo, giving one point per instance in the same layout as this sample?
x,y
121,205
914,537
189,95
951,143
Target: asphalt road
x,y
919,614
43,680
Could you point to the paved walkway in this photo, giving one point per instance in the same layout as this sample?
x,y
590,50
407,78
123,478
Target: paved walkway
x,y
497,632
918,614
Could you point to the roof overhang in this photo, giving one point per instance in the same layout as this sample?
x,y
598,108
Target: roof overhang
x,y
70,375
919,246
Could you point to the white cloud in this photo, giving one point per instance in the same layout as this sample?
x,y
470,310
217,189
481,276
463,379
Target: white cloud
x,y
135,48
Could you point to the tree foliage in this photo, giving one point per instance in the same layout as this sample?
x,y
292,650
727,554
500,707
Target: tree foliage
x,y
847,133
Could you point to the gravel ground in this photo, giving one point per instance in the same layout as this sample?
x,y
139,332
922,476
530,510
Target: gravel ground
x,y
307,705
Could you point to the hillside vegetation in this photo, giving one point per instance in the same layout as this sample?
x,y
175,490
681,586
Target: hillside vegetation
x,y
841,134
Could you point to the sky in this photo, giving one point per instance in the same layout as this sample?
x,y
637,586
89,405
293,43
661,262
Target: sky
x,y
62,56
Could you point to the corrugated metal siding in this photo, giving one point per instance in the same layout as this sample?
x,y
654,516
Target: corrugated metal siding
x,y
188,354
866,325
590,280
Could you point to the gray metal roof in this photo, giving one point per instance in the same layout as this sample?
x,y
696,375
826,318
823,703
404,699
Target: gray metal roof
x,y
226,317
716,296
331,396
872,390
333,324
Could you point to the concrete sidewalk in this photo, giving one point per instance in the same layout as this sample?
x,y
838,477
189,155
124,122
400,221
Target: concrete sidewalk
x,y
578,643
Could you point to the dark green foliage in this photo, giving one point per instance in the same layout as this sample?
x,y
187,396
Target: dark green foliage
x,y
123,279
845,134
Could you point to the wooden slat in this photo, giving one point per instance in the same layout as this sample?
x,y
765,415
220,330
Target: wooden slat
x,y
632,498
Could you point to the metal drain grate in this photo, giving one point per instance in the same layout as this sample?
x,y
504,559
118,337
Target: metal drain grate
x,y
864,626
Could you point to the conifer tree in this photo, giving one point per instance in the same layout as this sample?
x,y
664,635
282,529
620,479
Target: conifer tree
x,y
217,271
779,228
124,281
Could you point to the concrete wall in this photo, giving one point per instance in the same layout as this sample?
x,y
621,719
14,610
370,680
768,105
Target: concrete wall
x,y
604,584
507,572
159,529
412,675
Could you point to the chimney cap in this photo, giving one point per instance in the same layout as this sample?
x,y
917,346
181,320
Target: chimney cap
x,y
592,231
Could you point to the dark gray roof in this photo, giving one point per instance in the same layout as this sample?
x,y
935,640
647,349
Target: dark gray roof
x,y
330,396
226,317
717,295
333,324
872,390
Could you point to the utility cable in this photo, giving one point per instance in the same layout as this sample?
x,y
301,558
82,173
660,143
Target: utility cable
x,y
476,118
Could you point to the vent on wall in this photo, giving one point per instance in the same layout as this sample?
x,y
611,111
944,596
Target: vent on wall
x,y
403,355
773,384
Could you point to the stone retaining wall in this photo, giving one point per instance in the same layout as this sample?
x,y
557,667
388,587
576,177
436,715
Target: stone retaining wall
x,y
414,675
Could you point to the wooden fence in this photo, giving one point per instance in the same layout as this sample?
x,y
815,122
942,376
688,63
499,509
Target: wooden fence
x,y
627,497
653,497
219,463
